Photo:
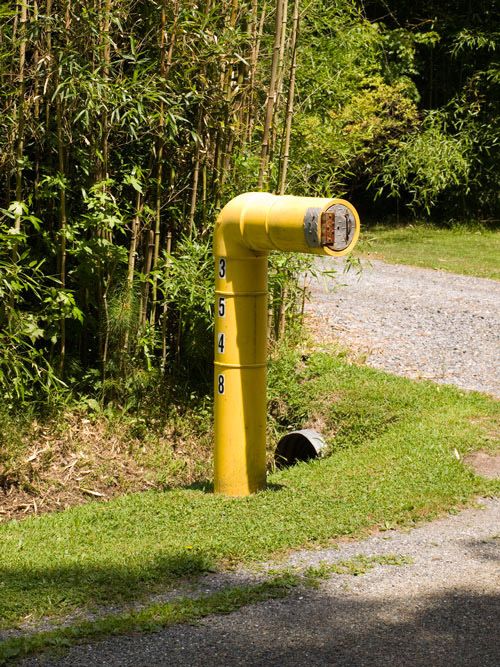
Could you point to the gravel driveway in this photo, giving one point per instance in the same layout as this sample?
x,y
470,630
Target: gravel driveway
x,y
414,322
441,610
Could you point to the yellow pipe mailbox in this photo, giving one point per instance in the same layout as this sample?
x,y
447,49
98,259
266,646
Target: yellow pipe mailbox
x,y
248,228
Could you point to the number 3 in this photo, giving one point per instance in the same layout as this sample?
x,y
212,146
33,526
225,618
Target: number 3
x,y
222,267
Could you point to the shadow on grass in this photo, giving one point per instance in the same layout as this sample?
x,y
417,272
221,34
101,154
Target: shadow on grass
x,y
206,486
203,485
60,589
28,590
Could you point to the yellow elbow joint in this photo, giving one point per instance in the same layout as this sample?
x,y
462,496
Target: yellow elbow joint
x,y
261,222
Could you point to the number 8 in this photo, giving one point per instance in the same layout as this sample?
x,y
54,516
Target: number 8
x,y
220,384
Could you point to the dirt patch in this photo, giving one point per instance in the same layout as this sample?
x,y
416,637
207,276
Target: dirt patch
x,y
76,460
484,464
61,465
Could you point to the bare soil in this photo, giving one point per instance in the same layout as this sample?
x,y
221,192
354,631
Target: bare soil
x,y
484,464
80,458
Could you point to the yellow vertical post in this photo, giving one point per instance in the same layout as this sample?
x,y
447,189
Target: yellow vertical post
x,y
248,228
240,374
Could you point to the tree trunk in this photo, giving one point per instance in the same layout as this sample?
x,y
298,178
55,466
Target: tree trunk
x,y
107,61
279,82
63,218
196,171
253,69
147,271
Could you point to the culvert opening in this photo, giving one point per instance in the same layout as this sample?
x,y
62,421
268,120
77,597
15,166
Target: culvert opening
x,y
298,446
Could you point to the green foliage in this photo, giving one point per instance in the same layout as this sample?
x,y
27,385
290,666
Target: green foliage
x,y
187,282
125,127
427,165
29,310
348,146
287,292
286,405
399,47
454,65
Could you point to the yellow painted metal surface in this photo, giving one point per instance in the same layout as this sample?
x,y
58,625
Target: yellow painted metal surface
x,y
248,228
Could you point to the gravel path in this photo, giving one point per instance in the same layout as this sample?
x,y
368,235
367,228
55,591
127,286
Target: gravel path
x,y
441,610
414,322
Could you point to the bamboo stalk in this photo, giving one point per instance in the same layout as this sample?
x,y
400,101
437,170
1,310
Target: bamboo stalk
x,y
282,313
227,77
102,172
132,254
281,60
204,182
196,172
106,69
48,40
36,109
290,100
256,40
171,46
63,219
105,346
271,96
23,15
147,271
36,59
279,82
159,170
165,308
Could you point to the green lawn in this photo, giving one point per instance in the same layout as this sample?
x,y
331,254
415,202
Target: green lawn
x,y
474,252
393,462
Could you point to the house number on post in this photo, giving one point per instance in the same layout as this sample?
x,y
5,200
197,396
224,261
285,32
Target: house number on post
x,y
221,312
